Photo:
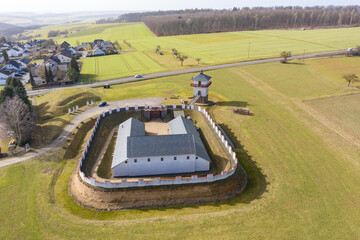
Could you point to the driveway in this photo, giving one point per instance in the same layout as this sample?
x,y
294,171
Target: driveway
x,y
95,111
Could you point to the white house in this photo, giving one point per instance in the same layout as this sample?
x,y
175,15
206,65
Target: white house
x,y
201,84
98,51
138,155
63,58
15,52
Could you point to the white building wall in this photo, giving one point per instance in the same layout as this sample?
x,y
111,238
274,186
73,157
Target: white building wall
x,y
156,167
203,91
202,165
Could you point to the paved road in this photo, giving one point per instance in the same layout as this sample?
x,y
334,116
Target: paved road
x,y
178,72
154,101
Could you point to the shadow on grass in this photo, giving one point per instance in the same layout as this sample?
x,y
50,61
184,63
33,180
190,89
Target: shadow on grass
x,y
87,79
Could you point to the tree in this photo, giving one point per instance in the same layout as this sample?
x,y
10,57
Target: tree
x,y
198,60
2,40
5,93
74,65
47,79
351,78
19,90
285,55
182,58
50,75
17,118
5,55
60,74
72,74
157,48
31,80
40,72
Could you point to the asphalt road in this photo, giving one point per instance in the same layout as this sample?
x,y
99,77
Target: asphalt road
x,y
178,72
95,111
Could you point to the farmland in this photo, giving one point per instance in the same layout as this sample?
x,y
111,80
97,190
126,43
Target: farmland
x,y
214,48
303,177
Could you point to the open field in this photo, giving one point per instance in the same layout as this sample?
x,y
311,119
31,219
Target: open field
x,y
303,177
214,48
113,66
344,111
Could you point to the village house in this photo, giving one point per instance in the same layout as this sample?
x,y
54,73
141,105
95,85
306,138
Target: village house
x,y
136,154
12,64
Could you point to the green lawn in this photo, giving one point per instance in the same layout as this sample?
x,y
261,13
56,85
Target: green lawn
x,y
303,178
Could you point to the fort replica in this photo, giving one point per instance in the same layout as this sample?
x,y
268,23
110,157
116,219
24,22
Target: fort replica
x,y
185,164
138,155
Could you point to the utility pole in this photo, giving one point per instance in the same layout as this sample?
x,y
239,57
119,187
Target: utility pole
x,y
249,50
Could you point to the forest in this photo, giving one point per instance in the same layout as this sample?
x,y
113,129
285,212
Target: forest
x,y
207,21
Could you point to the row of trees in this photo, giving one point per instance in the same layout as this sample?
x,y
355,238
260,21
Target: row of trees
x,y
15,111
137,17
253,19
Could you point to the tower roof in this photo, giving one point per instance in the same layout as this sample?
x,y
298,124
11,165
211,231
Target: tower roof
x,y
201,77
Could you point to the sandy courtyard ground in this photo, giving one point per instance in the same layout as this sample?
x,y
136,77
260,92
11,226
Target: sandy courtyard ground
x,y
156,127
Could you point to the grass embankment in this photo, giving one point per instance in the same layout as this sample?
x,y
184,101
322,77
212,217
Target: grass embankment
x,y
51,110
214,48
104,170
303,178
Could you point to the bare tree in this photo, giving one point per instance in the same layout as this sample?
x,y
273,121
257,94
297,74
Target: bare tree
x,y
40,71
198,60
182,58
17,118
351,78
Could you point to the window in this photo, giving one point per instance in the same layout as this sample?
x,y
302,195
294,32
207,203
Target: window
x,y
125,162
148,159
188,157
135,160
196,158
174,158
162,159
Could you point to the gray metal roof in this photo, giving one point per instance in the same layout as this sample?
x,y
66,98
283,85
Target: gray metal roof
x,y
132,142
181,125
161,145
201,77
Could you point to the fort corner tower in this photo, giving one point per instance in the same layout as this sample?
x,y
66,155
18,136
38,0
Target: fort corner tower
x,y
201,84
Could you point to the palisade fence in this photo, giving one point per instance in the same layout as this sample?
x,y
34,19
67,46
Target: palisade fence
x,y
155,181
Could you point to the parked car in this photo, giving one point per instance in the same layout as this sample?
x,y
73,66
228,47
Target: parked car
x,y
106,86
102,104
138,76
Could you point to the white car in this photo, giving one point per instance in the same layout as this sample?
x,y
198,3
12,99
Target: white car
x,y
138,76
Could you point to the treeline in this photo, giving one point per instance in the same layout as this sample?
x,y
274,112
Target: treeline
x,y
137,17
253,19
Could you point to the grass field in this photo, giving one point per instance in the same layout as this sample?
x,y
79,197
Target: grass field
x,y
303,177
214,48
344,111
113,66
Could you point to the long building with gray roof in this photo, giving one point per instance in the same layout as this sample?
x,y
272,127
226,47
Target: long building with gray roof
x,y
139,155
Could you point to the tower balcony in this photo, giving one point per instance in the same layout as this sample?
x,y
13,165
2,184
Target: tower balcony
x,y
193,84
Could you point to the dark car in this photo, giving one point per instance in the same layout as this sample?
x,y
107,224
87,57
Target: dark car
x,y
102,104
106,86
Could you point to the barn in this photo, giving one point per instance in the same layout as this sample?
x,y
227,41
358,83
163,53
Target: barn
x,y
181,151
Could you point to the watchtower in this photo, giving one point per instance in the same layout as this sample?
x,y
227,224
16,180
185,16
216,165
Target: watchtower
x,y
201,84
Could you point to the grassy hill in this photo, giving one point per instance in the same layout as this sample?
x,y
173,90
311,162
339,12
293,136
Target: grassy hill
x,y
303,172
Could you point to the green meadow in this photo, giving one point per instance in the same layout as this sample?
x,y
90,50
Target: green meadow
x,y
214,48
303,176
